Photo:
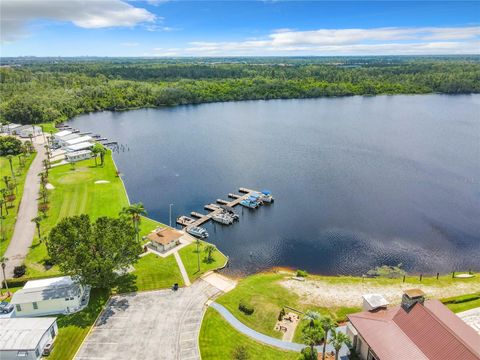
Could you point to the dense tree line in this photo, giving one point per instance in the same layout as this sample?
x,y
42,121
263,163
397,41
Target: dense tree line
x,y
57,89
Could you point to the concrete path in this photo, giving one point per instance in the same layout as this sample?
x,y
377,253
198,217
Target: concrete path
x,y
24,228
283,345
472,318
154,325
186,280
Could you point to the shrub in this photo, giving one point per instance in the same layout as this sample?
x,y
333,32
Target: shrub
x,y
308,354
19,271
240,353
246,308
10,145
302,273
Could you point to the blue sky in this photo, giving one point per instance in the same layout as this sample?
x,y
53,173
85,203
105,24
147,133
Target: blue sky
x,y
231,28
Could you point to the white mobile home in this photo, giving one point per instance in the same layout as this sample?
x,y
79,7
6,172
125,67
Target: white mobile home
x,y
10,128
63,140
78,155
60,295
78,140
26,338
77,147
27,130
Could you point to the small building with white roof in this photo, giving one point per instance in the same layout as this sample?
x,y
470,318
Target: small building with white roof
x,y
26,338
372,302
10,128
78,140
80,146
78,155
63,140
59,295
26,130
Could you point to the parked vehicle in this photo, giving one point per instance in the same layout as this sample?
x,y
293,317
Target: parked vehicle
x,y
198,232
48,348
6,307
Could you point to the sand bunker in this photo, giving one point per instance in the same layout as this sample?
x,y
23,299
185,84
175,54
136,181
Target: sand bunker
x,y
102,182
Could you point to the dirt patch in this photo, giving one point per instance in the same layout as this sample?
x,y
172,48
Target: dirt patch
x,y
350,294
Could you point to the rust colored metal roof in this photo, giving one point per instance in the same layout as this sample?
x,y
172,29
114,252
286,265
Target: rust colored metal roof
x,y
164,236
429,331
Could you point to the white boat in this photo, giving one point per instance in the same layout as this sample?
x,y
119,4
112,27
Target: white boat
x,y
198,232
266,196
222,218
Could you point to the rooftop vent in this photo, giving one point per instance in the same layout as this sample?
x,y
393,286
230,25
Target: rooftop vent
x,y
411,297
373,302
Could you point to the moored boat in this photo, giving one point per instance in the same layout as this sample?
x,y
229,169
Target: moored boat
x,y
223,218
198,232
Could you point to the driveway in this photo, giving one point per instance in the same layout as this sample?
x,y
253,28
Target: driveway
x,y
472,318
150,325
24,228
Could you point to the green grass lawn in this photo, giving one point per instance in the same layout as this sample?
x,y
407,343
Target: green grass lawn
x,y
8,222
152,272
218,341
77,193
463,302
190,260
72,329
48,128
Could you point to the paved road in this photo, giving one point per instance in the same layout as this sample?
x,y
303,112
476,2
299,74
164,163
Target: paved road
x,y
150,325
472,318
24,228
284,345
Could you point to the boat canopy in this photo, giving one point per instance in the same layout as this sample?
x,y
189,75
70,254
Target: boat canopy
x,y
252,198
266,192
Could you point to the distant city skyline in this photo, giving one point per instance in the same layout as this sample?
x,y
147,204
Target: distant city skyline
x,y
238,28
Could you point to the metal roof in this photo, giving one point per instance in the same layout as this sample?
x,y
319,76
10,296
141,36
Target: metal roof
x,y
430,331
375,300
79,140
23,333
81,146
62,133
46,289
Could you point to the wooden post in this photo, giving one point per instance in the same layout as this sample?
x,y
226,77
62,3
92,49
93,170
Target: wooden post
x,y
437,275
453,274
421,275
403,278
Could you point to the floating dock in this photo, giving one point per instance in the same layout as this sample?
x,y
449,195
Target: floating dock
x,y
214,209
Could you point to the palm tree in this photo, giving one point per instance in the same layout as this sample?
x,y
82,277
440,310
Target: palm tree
x,y
46,165
327,324
3,261
102,153
10,158
37,220
312,336
210,249
337,339
97,148
135,211
6,179
311,316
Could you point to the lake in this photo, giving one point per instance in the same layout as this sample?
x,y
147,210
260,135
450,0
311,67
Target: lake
x,y
358,181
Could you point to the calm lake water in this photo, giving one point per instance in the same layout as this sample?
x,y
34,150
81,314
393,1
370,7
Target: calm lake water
x,y
358,181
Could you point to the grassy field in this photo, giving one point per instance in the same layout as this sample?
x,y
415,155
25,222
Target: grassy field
x,y
190,260
48,128
72,329
462,302
218,340
265,293
75,192
8,223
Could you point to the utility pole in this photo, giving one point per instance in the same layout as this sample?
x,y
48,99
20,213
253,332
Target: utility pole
x,y
170,212
198,255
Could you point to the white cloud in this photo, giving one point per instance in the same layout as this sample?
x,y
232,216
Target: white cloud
x,y
376,41
129,44
91,14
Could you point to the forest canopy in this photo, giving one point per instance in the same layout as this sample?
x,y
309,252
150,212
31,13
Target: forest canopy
x,y
37,90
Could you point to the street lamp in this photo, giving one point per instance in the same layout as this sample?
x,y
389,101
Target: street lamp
x,y
170,212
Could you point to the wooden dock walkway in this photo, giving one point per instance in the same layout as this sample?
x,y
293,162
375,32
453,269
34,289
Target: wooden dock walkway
x,y
214,209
